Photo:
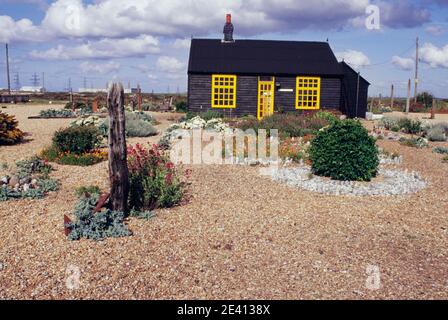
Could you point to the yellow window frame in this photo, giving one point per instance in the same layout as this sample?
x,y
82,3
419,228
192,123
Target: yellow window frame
x,y
308,93
224,91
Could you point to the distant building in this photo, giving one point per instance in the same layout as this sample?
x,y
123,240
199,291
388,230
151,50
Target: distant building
x,y
32,89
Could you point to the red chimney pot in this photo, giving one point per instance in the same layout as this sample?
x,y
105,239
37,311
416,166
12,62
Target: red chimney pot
x,y
228,18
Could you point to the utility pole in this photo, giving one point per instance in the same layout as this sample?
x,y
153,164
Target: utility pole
x,y
7,69
408,101
392,97
416,72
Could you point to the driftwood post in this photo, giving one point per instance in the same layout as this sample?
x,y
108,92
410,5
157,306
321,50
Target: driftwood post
x,y
139,98
433,108
118,167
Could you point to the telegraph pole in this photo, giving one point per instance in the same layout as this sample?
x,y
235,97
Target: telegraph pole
x,y
392,97
416,72
408,100
7,69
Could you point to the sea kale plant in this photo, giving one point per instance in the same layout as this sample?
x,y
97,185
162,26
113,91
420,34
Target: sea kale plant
x,y
96,226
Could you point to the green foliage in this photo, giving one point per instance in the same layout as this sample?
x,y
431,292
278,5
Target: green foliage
x,y
144,215
411,126
138,124
327,116
289,124
208,115
53,113
345,151
77,139
153,180
9,131
445,159
81,191
415,142
96,226
406,125
425,98
437,132
78,105
48,185
181,106
28,167
440,150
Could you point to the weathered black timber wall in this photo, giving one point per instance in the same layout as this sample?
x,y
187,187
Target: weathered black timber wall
x,y
200,93
352,104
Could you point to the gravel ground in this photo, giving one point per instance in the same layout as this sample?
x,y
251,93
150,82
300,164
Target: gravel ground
x,y
239,236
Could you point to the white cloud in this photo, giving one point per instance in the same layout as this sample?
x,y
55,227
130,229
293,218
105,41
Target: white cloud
x,y
179,18
355,59
104,68
435,30
182,44
102,49
21,30
434,56
403,63
170,65
152,77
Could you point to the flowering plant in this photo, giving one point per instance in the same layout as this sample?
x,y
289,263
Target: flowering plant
x,y
154,181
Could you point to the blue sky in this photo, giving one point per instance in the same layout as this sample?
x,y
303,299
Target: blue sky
x,y
147,41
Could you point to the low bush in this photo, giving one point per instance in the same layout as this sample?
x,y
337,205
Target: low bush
x,y
9,131
30,181
54,113
208,115
415,142
445,159
154,182
138,124
85,159
289,125
437,132
327,116
404,124
344,151
440,150
77,139
96,226
181,106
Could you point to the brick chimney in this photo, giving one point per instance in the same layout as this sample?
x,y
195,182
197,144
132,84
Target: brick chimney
x,y
228,29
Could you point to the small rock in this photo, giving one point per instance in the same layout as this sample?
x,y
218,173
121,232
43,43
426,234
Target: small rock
x,y
4,180
26,187
13,181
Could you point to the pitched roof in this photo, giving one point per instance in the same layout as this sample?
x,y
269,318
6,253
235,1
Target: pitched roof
x,y
263,57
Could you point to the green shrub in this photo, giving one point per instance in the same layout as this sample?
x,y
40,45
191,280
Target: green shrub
x,y
411,126
154,182
138,124
181,106
77,139
288,124
414,142
440,150
78,105
34,165
327,116
426,99
436,134
53,113
9,131
345,151
445,159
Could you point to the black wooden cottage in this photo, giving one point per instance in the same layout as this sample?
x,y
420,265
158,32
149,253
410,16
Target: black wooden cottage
x,y
260,77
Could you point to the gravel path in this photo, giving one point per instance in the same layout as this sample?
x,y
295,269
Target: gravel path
x,y
239,236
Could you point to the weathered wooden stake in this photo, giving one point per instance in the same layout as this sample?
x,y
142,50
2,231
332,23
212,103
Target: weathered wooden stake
x,y
139,98
433,109
118,167
95,105
392,97
408,100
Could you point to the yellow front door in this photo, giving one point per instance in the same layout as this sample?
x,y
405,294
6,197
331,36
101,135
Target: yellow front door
x,y
265,98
